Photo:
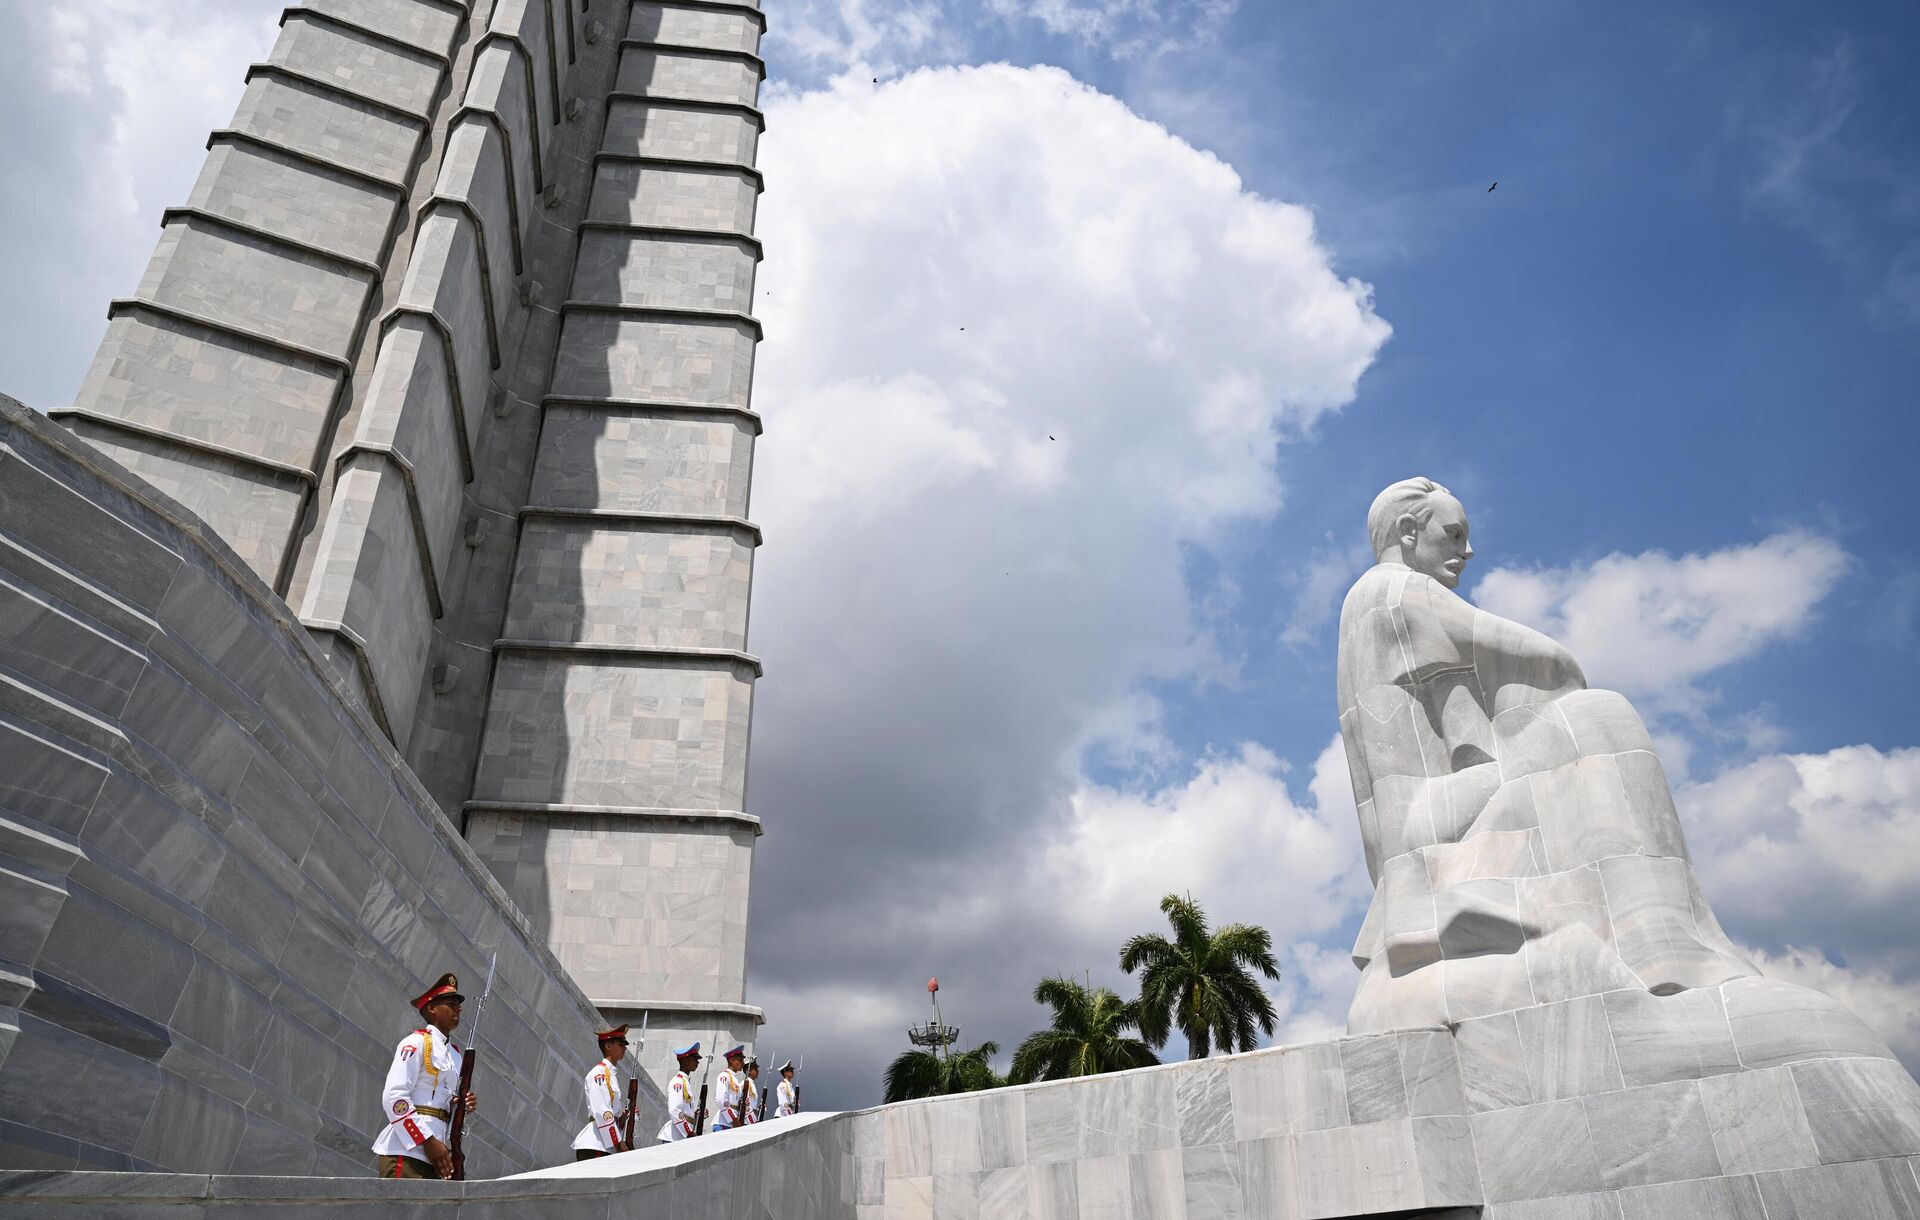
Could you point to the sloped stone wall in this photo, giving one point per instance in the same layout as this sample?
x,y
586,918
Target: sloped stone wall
x,y
219,883
1383,1125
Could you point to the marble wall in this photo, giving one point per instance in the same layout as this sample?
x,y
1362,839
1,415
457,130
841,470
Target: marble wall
x,y
219,883
1408,1123
610,792
1382,1125
791,1170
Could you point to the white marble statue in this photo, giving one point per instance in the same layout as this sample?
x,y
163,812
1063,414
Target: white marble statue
x,y
1518,826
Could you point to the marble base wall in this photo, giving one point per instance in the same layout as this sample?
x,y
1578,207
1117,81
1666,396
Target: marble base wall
x,y
219,883
1410,1123
1380,1125
791,1170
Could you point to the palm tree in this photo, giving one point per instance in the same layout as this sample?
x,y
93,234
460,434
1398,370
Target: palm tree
x,y
1202,982
1089,1035
925,1074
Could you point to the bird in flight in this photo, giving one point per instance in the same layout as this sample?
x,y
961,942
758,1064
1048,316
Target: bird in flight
x,y
1495,183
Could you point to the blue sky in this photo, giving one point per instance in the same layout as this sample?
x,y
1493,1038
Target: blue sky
x,y
1018,687
1682,333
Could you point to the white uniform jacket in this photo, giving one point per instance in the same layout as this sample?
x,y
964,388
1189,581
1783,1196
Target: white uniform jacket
x,y
418,1099
680,1109
786,1100
605,1104
727,1089
753,1101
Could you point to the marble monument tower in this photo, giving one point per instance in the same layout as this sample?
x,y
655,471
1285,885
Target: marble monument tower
x,y
452,343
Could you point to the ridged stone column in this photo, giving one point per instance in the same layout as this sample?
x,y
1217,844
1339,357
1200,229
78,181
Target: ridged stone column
x,y
610,795
222,379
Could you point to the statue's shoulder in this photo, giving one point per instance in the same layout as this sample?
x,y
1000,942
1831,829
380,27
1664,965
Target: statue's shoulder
x,y
1380,586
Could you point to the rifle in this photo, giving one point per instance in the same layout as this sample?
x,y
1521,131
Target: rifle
x,y
633,1092
700,1111
633,1107
456,1126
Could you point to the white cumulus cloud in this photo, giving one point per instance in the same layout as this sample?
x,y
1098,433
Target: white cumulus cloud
x,y
1024,350
1654,624
1814,859
108,106
1814,849
890,35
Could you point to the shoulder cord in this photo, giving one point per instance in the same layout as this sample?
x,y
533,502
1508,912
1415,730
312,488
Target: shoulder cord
x,y
427,1064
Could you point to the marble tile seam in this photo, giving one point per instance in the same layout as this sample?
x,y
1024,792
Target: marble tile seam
x,y
362,663
518,48
391,110
704,657
444,334
490,118
684,1007
229,135
382,38
120,306
662,406
683,312
670,101
188,213
744,169
465,211
114,422
687,48
573,36
740,7
459,10
515,240
393,457
553,56
637,812
716,236
695,521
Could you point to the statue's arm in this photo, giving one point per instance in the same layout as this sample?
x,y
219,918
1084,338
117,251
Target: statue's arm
x,y
1516,664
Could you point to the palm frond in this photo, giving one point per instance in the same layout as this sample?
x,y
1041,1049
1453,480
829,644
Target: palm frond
x,y
1201,982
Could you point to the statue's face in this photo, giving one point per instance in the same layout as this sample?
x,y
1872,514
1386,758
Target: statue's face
x,y
1440,547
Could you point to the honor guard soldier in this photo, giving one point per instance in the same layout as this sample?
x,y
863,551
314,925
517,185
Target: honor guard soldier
x,y
601,1135
731,1091
786,1095
680,1107
752,1110
419,1095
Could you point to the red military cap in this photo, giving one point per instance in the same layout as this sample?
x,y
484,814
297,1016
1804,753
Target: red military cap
x,y
447,986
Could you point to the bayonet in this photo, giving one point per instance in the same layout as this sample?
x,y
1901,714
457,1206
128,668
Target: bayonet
x,y
456,1126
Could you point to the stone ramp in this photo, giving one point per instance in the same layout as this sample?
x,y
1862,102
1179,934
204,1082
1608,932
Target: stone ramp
x,y
787,1168
219,883
1386,1125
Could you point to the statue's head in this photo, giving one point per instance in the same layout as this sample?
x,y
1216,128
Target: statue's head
x,y
1418,522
